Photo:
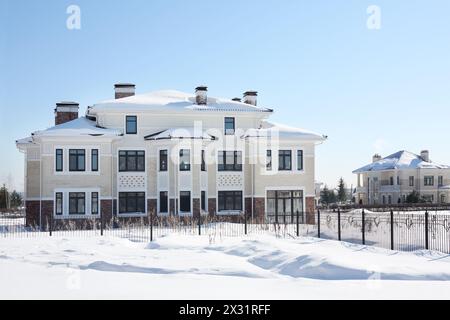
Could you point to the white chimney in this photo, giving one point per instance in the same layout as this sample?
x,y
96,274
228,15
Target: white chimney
x,y
123,90
201,95
376,157
425,155
250,97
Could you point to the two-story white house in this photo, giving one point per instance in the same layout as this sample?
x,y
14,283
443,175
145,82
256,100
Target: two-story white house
x,y
168,153
391,179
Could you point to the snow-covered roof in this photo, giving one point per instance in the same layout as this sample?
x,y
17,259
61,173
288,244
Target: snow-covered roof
x,y
173,101
270,129
401,160
24,141
179,133
78,127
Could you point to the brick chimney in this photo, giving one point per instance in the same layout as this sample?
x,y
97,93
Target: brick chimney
x,y
66,111
250,97
123,90
201,95
425,155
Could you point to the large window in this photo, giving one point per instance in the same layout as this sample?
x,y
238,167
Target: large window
x,y
59,203
77,203
300,160
282,206
230,200
163,202
77,160
94,203
411,181
94,159
185,201
162,160
229,126
284,160
59,160
131,202
185,160
429,181
131,125
229,161
440,181
269,160
131,161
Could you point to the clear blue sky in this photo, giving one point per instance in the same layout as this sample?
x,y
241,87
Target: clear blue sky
x,y
315,62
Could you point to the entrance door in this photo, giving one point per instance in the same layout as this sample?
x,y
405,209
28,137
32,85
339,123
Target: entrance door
x,y
282,206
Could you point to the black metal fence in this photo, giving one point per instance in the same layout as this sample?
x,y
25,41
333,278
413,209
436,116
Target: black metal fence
x,y
404,229
151,227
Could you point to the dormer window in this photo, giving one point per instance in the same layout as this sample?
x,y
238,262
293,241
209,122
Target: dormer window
x,y
131,125
229,126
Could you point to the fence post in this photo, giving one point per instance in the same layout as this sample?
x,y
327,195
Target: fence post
x,y
245,222
363,221
151,226
51,224
392,229
101,222
339,224
199,225
426,231
318,223
298,225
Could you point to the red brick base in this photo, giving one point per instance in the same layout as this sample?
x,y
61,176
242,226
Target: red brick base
x,y
212,207
310,210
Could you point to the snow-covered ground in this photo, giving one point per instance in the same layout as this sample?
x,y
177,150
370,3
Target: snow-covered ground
x,y
206,267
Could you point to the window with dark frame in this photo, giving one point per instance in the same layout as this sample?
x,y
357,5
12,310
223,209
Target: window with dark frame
x,y
131,202
59,203
59,160
230,200
163,202
229,161
411,181
77,160
185,160
77,203
229,125
429,181
94,203
131,161
94,160
203,200
185,201
131,124
203,165
163,160
300,160
440,181
284,160
391,181
269,160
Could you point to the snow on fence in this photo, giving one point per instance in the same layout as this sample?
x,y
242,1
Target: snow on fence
x,y
401,229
